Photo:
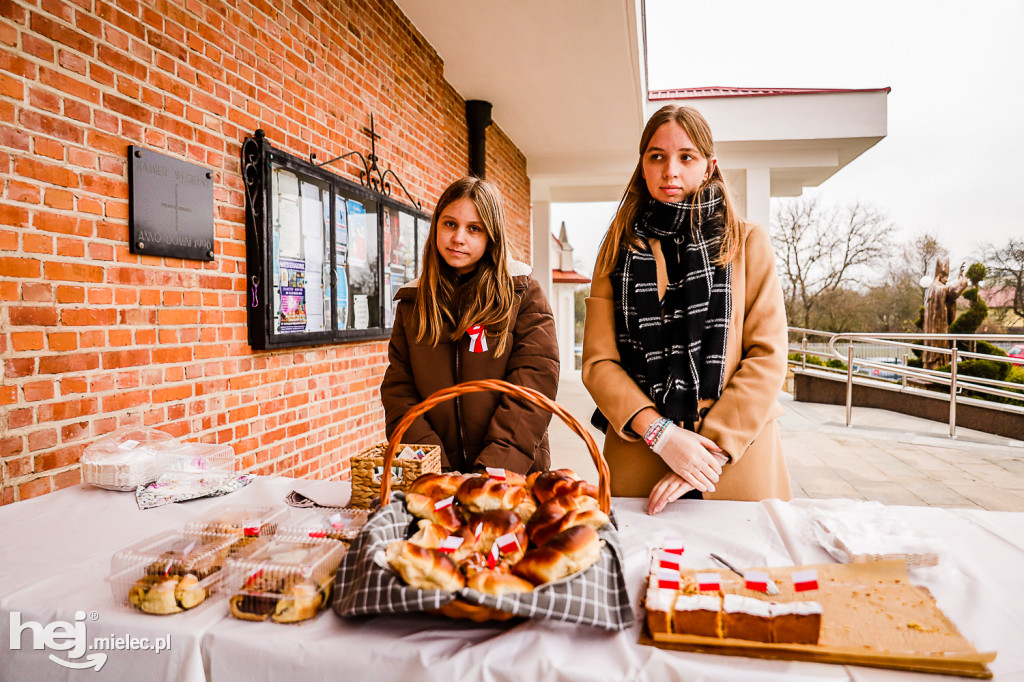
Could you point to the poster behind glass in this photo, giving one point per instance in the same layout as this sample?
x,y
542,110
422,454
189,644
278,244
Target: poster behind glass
x,y
300,254
362,275
422,232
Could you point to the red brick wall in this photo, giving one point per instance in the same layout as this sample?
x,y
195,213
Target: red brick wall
x,y
93,337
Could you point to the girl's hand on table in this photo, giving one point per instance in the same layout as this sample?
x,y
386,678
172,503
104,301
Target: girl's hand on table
x,y
695,458
669,489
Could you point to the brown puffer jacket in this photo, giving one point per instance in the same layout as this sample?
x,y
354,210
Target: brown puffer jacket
x,y
479,429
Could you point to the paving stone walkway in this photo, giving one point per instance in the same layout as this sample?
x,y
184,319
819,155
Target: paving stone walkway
x,y
884,456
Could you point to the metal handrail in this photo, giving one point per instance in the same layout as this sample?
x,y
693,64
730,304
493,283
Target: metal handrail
x,y
993,387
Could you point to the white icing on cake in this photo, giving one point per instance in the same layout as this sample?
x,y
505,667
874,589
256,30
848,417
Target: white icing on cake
x,y
699,602
734,603
660,599
798,608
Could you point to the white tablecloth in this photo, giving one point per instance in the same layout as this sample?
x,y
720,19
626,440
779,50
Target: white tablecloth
x,y
57,551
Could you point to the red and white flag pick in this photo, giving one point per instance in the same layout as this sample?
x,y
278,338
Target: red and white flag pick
x,y
318,534
450,544
667,559
756,581
446,502
673,545
805,580
477,339
708,582
251,527
478,531
336,521
496,473
492,556
667,578
508,543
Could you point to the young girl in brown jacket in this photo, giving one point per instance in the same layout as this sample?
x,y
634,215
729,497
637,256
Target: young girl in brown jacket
x,y
684,349
473,314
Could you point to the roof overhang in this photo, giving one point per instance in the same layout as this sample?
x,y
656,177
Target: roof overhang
x,y
566,79
803,136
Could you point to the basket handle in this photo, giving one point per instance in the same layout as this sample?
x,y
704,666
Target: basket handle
x,y
527,395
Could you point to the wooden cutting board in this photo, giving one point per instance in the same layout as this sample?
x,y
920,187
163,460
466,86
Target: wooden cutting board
x,y
871,615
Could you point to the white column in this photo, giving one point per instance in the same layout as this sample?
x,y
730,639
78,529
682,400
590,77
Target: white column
x,y
759,196
540,250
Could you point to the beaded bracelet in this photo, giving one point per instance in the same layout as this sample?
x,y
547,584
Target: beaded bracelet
x,y
654,431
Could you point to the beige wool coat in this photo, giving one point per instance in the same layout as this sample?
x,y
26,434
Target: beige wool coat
x,y
741,421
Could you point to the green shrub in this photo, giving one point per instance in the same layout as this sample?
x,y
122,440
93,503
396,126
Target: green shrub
x,y
811,359
836,363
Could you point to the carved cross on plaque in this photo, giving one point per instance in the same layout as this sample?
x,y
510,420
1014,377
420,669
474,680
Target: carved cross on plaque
x,y
178,209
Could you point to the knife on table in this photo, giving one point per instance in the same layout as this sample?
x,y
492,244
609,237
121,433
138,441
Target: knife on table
x,y
771,588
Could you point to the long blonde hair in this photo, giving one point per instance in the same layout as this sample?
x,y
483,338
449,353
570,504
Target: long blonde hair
x,y
488,296
621,235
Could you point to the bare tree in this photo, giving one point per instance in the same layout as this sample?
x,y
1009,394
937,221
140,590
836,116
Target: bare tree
x,y
1007,270
823,249
920,253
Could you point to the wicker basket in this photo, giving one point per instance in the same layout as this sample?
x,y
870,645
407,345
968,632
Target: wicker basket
x,y
368,466
457,608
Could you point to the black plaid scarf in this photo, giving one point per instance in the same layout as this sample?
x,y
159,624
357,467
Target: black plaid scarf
x,y
674,348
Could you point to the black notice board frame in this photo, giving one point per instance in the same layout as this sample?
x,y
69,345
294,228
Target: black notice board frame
x,y
259,161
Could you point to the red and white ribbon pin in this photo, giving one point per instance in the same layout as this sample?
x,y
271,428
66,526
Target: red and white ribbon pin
x,y
508,543
708,582
446,502
756,581
673,545
477,339
667,578
805,580
667,559
450,544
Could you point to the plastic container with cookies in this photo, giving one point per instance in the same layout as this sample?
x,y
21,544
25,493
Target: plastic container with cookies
x,y
243,524
334,524
283,580
169,573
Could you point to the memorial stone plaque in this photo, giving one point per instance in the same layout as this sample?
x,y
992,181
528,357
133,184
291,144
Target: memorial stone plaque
x,y
170,206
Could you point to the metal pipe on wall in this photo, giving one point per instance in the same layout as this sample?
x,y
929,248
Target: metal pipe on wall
x,y
478,117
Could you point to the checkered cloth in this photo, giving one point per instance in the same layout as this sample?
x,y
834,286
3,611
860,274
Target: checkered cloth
x,y
596,597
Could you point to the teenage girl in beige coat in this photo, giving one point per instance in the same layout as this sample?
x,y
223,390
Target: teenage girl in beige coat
x,y
684,349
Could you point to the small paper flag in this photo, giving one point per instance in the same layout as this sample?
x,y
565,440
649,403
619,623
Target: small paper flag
x,y
805,580
668,578
252,527
496,473
450,544
667,559
673,545
446,502
756,581
508,543
707,582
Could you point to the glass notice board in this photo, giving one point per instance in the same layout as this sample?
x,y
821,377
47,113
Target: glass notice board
x,y
325,255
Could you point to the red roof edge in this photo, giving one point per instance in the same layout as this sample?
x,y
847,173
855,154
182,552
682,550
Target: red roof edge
x,y
720,92
568,277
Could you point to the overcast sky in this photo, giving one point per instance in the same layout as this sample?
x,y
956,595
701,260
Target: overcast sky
x,y
953,161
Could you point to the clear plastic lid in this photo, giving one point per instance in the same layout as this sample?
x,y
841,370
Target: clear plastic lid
x,y
126,458
238,521
334,524
169,573
200,459
285,580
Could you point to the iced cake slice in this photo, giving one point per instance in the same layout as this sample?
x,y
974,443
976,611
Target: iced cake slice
x,y
796,622
697,615
746,618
